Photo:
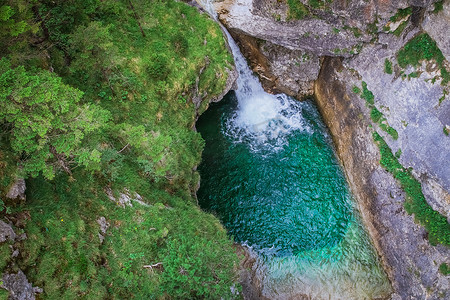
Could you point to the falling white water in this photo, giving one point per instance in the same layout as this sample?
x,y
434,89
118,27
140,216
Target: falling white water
x,y
262,119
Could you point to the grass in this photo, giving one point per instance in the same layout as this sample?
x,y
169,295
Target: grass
x,y
387,66
436,224
65,256
423,47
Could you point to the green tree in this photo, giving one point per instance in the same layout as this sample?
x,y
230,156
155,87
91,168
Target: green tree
x,y
45,122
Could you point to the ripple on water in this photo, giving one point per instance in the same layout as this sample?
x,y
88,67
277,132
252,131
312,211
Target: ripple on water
x,y
270,174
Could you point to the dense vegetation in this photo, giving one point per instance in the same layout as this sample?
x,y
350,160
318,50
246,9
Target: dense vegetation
x,y
436,224
96,98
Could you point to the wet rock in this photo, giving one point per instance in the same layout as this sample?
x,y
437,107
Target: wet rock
x,y
17,190
18,287
280,70
6,232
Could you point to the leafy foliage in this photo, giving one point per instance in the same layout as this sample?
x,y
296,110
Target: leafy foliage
x,y
375,114
437,226
42,114
92,94
8,25
438,6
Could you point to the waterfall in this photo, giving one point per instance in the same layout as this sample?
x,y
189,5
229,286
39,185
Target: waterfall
x,y
262,118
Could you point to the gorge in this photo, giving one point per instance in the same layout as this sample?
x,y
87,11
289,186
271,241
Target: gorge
x,y
224,149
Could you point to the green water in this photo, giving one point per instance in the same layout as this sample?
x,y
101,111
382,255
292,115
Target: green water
x,y
278,188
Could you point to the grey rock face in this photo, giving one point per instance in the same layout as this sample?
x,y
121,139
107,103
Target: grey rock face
x,y
6,232
17,190
314,35
410,261
411,106
437,25
18,286
295,70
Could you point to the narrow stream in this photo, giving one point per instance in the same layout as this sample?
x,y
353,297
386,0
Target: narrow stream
x,y
269,172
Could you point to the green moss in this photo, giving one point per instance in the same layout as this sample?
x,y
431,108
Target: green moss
x,y
438,6
387,66
445,130
297,10
336,30
356,90
436,225
401,13
398,31
375,115
398,153
444,268
413,75
366,94
392,132
422,47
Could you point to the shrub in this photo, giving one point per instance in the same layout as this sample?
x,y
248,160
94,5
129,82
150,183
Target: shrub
x,y
356,89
